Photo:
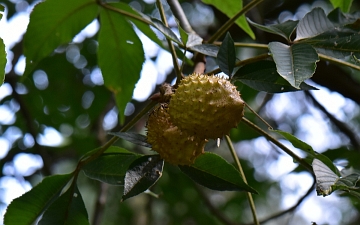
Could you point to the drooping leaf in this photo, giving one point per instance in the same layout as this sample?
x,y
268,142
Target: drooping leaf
x,y
142,174
53,23
294,63
206,49
262,76
325,178
2,61
110,167
231,8
214,172
193,39
314,23
344,5
340,19
348,181
120,57
285,29
226,56
297,143
27,208
134,138
140,25
165,30
68,209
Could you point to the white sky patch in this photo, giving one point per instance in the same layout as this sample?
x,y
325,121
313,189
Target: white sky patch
x,y
50,137
13,188
5,90
27,164
4,147
146,85
88,32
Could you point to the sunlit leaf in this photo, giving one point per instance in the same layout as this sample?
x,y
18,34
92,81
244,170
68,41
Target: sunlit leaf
x,y
206,49
142,174
110,167
120,57
134,138
231,8
313,24
214,172
285,29
2,61
226,56
53,23
294,63
262,76
68,209
344,5
27,208
325,178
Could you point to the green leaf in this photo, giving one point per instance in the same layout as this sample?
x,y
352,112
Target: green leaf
x,y
53,23
27,208
2,9
214,172
120,57
226,56
231,8
297,143
348,181
294,63
142,174
262,76
134,138
313,24
285,29
344,5
2,61
193,39
68,209
325,178
140,25
110,167
165,30
206,49
183,35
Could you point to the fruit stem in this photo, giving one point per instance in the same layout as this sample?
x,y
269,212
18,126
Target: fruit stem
x,y
295,157
171,46
249,196
231,21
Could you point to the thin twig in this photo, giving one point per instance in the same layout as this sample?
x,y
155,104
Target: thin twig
x,y
342,126
244,62
338,61
277,143
230,22
249,196
246,45
292,208
171,46
180,15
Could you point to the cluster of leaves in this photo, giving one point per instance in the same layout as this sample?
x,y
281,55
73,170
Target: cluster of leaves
x,y
57,198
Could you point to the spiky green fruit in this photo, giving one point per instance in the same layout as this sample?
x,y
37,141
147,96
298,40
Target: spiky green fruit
x,y
206,106
172,144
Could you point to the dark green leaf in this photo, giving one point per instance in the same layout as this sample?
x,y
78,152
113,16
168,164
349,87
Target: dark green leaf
x,y
134,138
214,172
313,24
110,167
226,56
183,35
206,49
294,63
348,181
2,9
262,76
68,209
142,174
284,29
120,57
140,25
354,193
344,5
53,23
231,8
340,19
2,61
27,208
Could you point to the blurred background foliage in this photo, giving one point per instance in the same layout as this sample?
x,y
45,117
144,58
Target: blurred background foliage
x,y
62,110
